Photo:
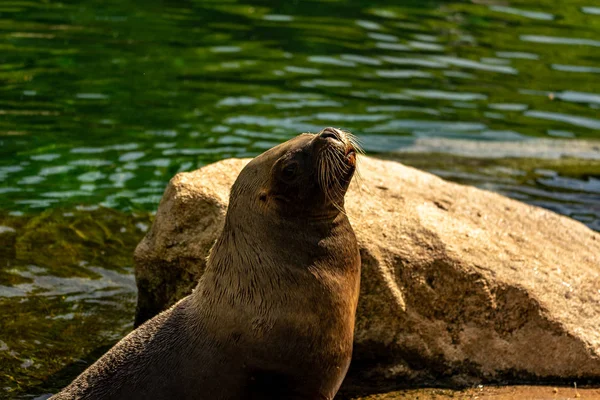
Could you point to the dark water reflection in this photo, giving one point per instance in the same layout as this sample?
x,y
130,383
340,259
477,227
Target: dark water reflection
x,y
101,102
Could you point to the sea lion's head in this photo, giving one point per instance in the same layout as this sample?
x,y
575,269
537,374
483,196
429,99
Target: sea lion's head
x,y
305,177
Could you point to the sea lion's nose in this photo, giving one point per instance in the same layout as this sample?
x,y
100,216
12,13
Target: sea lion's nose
x,y
331,133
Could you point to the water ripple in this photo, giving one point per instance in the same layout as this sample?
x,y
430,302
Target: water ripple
x,y
560,40
590,123
460,62
576,68
523,13
438,94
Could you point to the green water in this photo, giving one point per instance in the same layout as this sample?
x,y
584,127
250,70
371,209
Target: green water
x,y
102,102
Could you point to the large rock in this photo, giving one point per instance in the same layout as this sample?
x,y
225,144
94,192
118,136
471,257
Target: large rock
x,y
458,284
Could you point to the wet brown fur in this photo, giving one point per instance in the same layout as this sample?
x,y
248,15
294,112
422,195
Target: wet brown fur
x,y
272,317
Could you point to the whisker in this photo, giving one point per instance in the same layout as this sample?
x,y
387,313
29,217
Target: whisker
x,y
356,143
332,187
333,168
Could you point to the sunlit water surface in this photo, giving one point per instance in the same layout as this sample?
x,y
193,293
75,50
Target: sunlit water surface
x,y
102,102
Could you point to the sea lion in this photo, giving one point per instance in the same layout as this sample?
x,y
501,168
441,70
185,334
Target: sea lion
x,y
272,317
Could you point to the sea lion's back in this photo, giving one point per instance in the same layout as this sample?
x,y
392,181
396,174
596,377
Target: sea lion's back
x,y
158,361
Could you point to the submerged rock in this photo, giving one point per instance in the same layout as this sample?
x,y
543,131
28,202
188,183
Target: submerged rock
x,y
458,284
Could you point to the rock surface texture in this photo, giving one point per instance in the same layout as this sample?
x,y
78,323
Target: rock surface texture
x,y
459,285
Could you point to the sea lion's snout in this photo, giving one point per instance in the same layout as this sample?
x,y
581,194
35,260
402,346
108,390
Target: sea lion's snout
x,y
342,140
332,133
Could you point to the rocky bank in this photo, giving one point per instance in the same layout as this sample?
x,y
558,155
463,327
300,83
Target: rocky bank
x,y
459,285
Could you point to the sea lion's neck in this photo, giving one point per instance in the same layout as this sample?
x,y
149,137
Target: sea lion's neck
x,y
250,242
256,251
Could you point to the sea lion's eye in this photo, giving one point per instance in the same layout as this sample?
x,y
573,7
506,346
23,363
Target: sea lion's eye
x,y
289,171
